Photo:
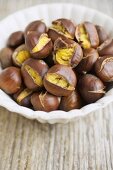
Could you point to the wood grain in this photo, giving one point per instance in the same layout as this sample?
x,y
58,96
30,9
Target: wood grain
x,y
86,143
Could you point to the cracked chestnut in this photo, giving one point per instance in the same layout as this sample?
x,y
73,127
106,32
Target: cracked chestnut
x,y
86,35
91,88
20,54
39,46
33,72
45,101
67,53
10,80
60,80
23,97
104,68
63,28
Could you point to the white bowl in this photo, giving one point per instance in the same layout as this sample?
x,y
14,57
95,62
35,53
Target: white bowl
x,y
49,12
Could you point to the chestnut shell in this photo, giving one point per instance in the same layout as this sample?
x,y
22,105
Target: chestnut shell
x,y
45,101
15,39
104,68
6,57
91,88
64,71
73,101
39,66
31,40
10,80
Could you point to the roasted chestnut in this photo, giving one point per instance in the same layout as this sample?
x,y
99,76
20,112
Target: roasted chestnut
x,y
106,48
45,101
10,80
91,88
39,46
73,101
6,57
89,58
23,97
69,54
63,28
104,68
20,54
60,80
102,34
15,39
86,34
37,26
33,72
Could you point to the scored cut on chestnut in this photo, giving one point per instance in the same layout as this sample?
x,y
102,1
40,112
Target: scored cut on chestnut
x,y
15,39
39,46
104,68
63,28
73,101
106,48
38,26
45,101
60,80
6,57
67,53
87,63
10,80
91,88
86,34
20,55
23,97
33,72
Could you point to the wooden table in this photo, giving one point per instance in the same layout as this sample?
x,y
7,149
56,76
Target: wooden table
x,y
84,144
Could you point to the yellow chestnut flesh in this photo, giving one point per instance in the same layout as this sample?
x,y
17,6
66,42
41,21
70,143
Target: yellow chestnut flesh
x,y
26,92
34,75
63,56
59,80
61,29
43,41
83,37
22,56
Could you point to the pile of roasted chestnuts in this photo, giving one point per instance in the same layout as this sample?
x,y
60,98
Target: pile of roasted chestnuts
x,y
61,67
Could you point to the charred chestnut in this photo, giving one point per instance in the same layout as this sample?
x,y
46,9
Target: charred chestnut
x,y
89,58
106,48
91,88
39,46
69,54
37,26
73,101
10,80
60,80
23,97
15,39
33,72
86,34
104,68
6,57
45,101
20,54
63,28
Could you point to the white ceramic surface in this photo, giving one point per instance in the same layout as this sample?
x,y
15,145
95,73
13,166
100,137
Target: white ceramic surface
x,y
49,12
